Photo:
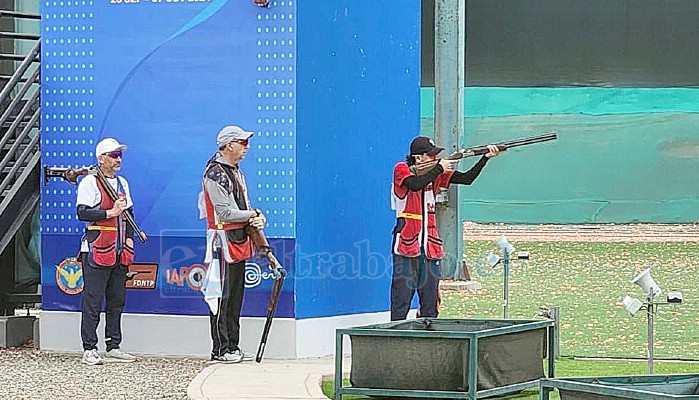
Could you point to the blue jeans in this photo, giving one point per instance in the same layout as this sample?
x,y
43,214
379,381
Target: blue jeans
x,y
412,274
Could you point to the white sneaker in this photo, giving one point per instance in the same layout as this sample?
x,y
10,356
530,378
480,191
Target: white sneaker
x,y
244,356
92,357
119,356
228,358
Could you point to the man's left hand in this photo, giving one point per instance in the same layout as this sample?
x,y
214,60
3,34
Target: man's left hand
x,y
493,151
129,242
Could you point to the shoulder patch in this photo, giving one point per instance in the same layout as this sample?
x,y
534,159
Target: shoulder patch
x,y
216,174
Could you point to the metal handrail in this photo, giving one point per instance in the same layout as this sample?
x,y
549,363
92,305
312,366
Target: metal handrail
x,y
17,155
19,14
15,57
20,136
18,97
8,134
18,35
25,153
4,77
28,60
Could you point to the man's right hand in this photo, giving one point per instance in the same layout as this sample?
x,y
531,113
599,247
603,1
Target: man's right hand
x,y
448,165
258,221
117,209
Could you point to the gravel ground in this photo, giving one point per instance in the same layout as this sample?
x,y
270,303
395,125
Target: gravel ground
x,y
27,373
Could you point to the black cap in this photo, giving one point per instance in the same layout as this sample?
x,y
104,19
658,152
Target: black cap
x,y
424,145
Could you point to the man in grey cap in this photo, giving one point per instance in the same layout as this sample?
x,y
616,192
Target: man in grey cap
x,y
226,204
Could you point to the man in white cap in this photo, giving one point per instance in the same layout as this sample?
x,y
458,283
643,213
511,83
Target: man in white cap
x,y
106,252
226,205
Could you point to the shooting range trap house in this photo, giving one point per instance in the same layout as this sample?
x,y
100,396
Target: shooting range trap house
x,y
639,387
445,358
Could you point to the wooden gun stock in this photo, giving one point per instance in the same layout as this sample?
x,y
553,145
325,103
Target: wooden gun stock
x,y
259,240
424,167
70,175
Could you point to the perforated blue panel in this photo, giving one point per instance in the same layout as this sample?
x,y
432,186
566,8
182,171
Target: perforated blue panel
x,y
68,99
163,77
165,90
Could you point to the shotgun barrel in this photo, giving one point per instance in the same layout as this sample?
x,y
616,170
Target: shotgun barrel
x,y
422,168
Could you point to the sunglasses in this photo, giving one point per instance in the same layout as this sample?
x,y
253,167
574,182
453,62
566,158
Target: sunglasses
x,y
114,154
243,142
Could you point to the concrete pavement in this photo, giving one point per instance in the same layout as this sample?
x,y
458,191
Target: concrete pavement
x,y
270,379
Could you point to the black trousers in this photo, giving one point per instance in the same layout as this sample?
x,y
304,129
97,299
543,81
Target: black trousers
x,y
102,283
225,325
411,274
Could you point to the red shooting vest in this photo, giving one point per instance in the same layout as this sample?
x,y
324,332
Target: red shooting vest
x,y
415,232
240,246
109,248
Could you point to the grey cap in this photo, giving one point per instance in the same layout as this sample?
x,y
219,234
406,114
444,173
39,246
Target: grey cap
x,y
230,133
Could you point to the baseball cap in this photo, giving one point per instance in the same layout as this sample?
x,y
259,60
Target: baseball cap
x,y
422,145
230,133
108,145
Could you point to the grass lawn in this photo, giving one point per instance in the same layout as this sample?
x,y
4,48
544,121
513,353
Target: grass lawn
x,y
587,282
569,367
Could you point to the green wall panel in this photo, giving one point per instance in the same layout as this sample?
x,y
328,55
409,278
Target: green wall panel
x,y
491,102
612,162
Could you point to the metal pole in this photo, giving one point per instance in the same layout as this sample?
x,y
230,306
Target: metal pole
x,y
338,366
449,81
473,368
650,309
552,351
506,283
556,317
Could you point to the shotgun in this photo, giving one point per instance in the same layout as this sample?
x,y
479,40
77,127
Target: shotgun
x,y
265,250
71,176
424,167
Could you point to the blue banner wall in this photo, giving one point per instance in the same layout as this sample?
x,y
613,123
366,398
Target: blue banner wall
x,y
163,77
358,109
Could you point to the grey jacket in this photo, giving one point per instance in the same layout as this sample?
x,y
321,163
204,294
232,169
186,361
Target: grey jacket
x,y
229,199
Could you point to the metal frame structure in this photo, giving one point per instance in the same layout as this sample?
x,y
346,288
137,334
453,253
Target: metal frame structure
x,y
625,390
470,357
20,152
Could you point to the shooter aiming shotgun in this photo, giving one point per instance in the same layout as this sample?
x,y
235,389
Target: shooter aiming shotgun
x,y
424,167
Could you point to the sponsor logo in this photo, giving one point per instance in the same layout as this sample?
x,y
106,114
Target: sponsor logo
x,y
192,276
142,276
69,276
254,275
